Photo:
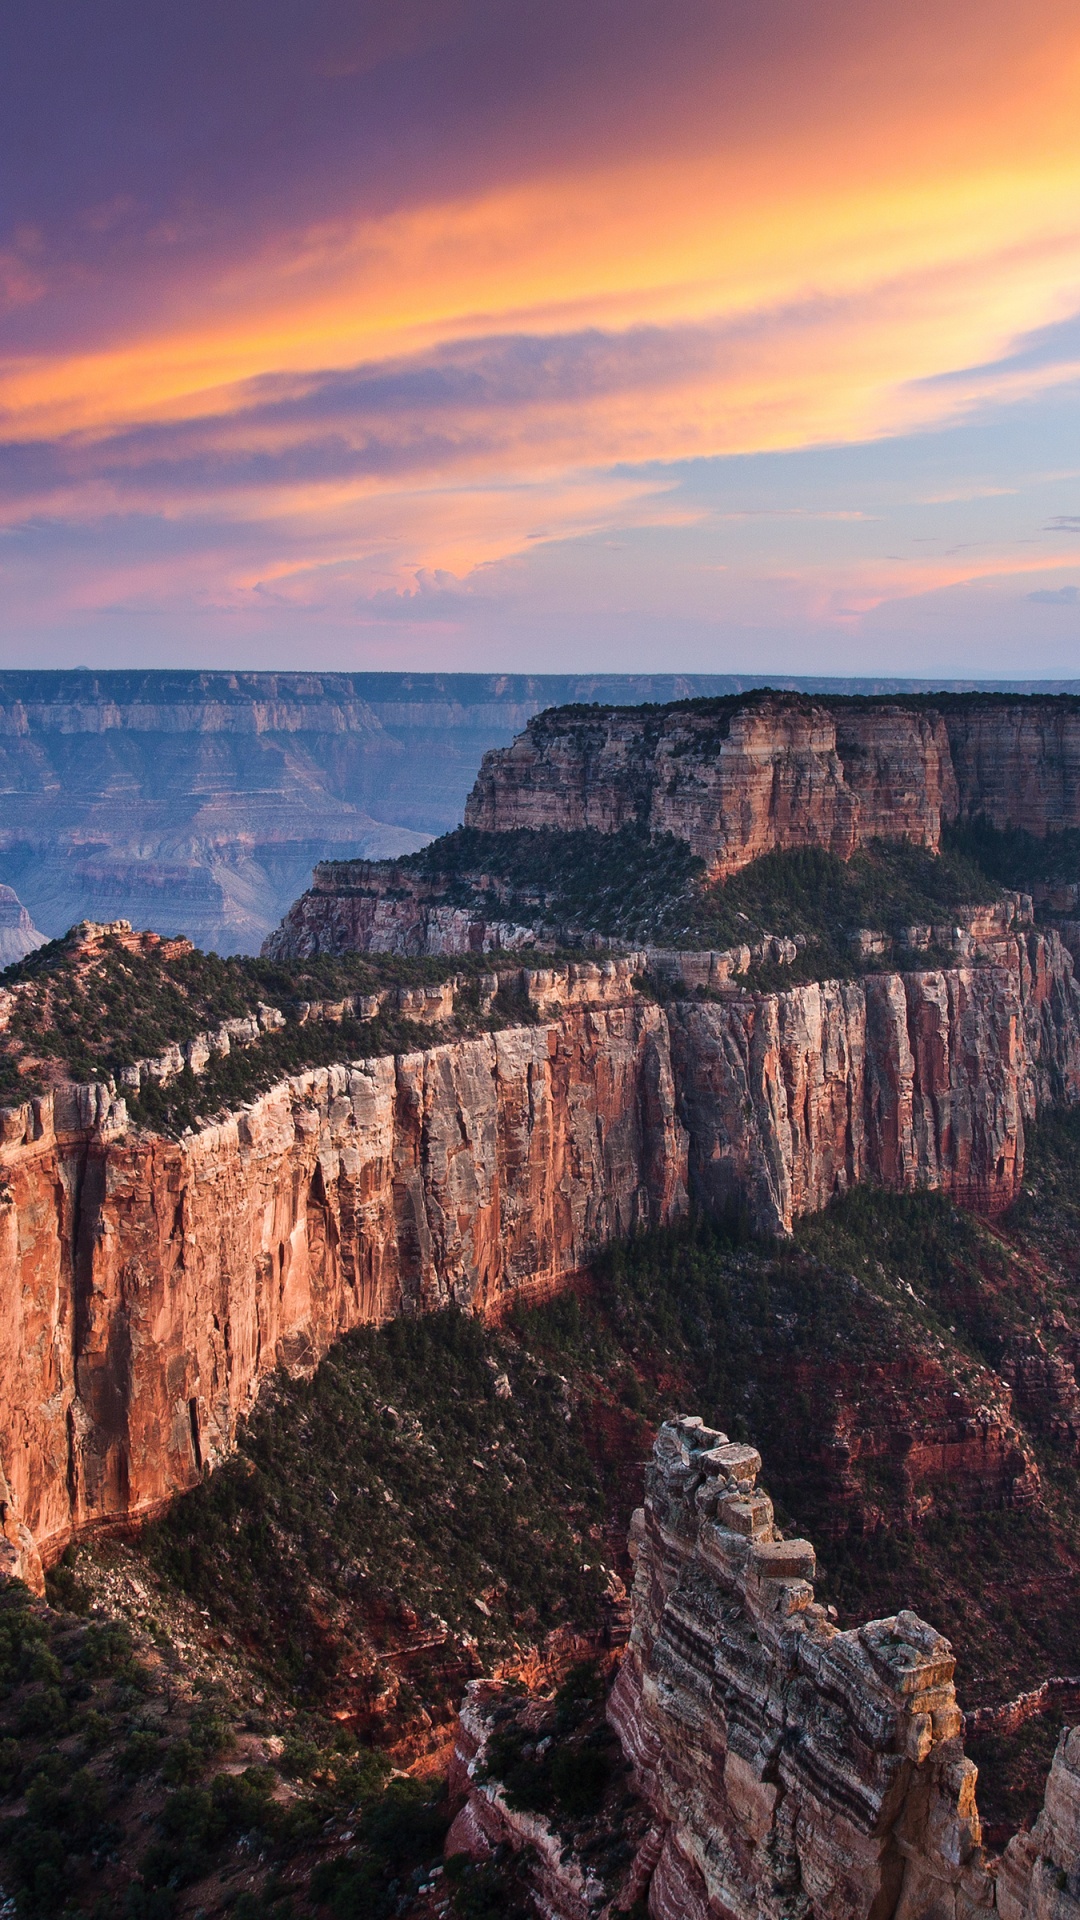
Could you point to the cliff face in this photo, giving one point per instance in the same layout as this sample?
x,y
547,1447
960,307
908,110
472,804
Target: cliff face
x,y
781,771
790,1767
783,1767
351,908
149,1286
920,1079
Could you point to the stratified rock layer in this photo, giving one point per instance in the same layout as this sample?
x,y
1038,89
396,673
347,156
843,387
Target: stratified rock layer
x,y
908,1080
784,770
147,1286
793,1769
18,934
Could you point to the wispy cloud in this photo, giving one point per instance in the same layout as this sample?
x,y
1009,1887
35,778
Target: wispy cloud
x,y
312,308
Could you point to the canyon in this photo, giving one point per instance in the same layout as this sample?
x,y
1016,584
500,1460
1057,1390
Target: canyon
x,y
198,802
503,1129
730,780
149,1285
785,1766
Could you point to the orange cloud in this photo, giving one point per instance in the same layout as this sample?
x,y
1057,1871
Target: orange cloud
x,y
869,216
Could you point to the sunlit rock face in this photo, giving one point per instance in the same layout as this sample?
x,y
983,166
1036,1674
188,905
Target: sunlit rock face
x,y
783,771
148,1286
791,1768
909,1080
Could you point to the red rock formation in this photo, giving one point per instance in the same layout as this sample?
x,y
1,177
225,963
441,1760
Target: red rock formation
x,y
147,1285
908,1080
366,907
785,770
790,1767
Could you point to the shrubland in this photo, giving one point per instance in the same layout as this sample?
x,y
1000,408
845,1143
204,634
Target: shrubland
x,y
634,887
445,1498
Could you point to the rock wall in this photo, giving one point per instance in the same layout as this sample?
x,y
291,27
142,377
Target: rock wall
x,y
917,1079
783,1769
365,907
785,770
792,1768
147,1286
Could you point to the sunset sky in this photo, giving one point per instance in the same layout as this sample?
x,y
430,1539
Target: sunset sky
x,y
716,335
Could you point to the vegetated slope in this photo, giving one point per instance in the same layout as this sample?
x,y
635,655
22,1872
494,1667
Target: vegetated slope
x,y
85,1011
334,1567
635,888
1014,858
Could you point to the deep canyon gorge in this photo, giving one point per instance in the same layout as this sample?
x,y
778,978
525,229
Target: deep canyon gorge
x,y
157,1274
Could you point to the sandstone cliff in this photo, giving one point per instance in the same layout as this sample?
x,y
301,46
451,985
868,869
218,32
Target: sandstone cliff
x,y
909,1080
783,770
791,1767
148,1285
366,907
787,1768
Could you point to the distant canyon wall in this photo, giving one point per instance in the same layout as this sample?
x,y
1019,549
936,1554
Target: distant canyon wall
x,y
148,1286
785,771
198,802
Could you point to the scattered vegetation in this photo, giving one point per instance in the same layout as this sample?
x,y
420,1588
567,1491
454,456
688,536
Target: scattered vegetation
x,y
617,884
123,1783
432,1478
402,1485
559,1758
442,1495
85,1014
1017,859
629,886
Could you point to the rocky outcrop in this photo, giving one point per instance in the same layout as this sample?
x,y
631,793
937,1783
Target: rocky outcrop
x,y
750,774
360,906
784,1769
147,1286
908,1080
791,1768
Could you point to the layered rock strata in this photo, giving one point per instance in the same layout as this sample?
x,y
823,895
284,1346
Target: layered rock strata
x,y
147,1285
371,907
917,1079
789,1770
782,770
793,1769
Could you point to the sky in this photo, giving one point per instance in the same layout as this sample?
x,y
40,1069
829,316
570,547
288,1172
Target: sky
x,y
702,335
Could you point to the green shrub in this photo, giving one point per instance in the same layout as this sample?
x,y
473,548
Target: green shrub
x,y
140,1756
